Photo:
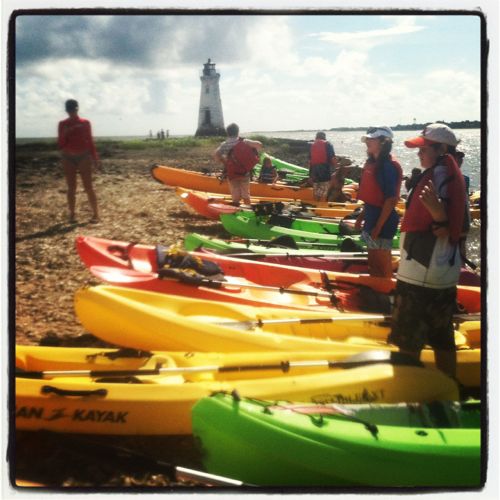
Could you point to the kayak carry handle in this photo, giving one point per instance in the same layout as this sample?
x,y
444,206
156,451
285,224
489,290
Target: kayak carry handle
x,y
50,389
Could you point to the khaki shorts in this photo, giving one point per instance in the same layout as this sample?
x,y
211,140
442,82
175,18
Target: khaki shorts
x,y
240,188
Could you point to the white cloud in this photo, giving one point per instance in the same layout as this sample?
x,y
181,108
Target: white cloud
x,y
273,84
403,25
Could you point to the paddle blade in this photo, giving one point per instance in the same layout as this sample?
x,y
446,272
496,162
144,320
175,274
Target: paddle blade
x,y
119,275
382,356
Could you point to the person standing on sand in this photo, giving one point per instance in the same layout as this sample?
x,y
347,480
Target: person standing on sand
x,y
321,162
79,155
239,156
379,188
429,268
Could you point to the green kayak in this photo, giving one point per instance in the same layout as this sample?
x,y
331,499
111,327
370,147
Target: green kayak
x,y
248,225
253,227
284,444
195,241
320,225
293,172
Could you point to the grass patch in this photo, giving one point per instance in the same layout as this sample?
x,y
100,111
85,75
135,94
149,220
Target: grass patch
x,y
175,143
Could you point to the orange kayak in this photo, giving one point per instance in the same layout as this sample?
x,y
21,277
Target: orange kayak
x,y
211,183
208,205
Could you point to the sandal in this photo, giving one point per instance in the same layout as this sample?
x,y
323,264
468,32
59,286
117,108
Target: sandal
x,y
95,220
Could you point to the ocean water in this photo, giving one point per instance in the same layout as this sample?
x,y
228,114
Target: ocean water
x,y
349,144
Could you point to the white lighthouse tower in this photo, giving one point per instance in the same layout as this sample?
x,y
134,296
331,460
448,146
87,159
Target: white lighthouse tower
x,y
210,119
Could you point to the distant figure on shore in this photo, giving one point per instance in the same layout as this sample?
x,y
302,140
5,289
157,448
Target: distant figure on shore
x,y
379,188
412,180
79,155
321,163
162,134
268,173
239,156
168,133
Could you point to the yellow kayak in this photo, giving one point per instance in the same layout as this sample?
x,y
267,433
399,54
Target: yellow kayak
x,y
112,391
152,321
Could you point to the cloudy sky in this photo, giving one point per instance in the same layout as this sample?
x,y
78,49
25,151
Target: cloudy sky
x,y
135,73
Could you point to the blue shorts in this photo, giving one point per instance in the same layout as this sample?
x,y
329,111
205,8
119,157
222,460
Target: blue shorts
x,y
378,244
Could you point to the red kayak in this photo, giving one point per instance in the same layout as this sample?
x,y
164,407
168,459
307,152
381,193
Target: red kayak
x,y
211,205
140,259
355,265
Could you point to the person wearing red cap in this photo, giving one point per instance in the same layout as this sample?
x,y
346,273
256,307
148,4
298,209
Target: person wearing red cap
x,y
79,155
379,188
430,262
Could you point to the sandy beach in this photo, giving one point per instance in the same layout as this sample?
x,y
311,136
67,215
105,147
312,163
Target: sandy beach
x,y
133,207
48,271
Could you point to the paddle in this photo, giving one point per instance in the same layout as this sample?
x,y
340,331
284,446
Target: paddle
x,y
362,359
253,255
124,276
259,323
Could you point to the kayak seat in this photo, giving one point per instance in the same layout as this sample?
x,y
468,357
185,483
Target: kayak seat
x,y
280,220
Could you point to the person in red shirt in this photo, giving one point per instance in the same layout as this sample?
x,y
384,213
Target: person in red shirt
x,y
78,155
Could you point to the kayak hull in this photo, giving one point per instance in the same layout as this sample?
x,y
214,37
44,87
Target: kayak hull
x,y
152,321
161,404
286,448
176,177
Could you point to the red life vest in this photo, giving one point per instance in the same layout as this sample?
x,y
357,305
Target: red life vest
x,y
418,218
318,152
369,189
241,159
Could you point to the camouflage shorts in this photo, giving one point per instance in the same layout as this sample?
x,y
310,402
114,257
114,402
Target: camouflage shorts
x,y
423,316
320,190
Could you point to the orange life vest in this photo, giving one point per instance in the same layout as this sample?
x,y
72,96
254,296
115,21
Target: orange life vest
x,y
418,218
369,188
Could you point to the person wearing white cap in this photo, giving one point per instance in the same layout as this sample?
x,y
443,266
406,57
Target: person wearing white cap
x,y
379,188
430,262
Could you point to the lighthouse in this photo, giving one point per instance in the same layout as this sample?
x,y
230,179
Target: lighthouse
x,y
210,119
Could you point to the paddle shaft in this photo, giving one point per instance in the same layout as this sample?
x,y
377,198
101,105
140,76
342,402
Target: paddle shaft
x,y
284,366
329,319
281,290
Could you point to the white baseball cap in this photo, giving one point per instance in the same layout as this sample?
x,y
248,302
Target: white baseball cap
x,y
375,132
435,133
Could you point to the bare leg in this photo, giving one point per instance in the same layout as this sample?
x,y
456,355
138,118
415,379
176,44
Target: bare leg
x,y
70,174
85,168
380,263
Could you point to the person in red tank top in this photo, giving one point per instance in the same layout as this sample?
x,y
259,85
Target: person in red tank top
x,y
79,155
